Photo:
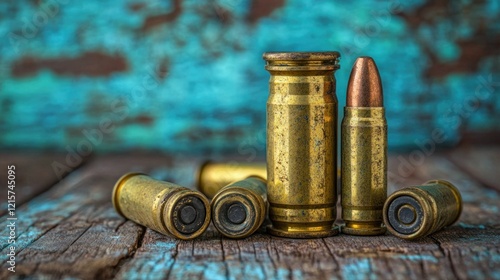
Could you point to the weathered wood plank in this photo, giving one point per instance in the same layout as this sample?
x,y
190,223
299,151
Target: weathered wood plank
x,y
443,255
178,169
472,246
73,231
34,174
265,257
481,162
480,204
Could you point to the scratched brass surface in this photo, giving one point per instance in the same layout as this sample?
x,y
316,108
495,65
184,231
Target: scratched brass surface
x,y
418,211
302,144
213,176
364,170
162,206
240,208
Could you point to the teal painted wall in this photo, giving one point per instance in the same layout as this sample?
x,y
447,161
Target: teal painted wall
x,y
188,77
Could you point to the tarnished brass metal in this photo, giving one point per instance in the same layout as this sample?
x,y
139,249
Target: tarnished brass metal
x,y
364,152
302,144
162,206
240,208
418,211
213,176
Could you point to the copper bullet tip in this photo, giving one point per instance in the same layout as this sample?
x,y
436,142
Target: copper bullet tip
x,y
364,88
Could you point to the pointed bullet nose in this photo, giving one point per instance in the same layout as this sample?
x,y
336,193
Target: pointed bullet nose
x,y
364,88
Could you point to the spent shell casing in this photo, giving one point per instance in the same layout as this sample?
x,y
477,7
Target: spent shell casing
x,y
302,143
418,211
364,152
240,208
162,206
213,176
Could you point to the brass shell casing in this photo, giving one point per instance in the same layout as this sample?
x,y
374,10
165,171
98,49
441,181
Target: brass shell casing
x,y
240,208
418,211
364,170
302,144
162,206
213,176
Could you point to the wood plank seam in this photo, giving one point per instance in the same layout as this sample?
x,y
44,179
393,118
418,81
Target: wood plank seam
x,y
469,172
77,238
48,187
226,267
41,185
41,233
123,261
446,255
174,257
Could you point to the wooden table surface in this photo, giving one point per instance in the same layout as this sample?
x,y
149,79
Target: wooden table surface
x,y
68,228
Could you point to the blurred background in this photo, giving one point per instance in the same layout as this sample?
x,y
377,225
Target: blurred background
x,y
187,77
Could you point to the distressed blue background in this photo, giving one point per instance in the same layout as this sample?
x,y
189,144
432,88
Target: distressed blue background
x,y
188,77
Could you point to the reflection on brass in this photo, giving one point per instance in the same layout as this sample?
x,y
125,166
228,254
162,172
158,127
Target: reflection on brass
x,y
214,176
239,209
418,211
302,144
161,206
364,152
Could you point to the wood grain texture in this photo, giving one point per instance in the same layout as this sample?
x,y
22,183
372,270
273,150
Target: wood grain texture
x,y
73,231
480,162
34,174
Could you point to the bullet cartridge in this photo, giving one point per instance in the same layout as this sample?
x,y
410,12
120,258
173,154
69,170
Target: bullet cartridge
x,y
364,152
418,211
302,143
240,208
162,206
213,176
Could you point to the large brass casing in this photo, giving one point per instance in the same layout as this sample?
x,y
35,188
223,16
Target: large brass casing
x,y
162,206
213,176
364,170
240,208
302,144
418,211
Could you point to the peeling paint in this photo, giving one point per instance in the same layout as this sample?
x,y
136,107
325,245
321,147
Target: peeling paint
x,y
357,269
187,76
88,64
